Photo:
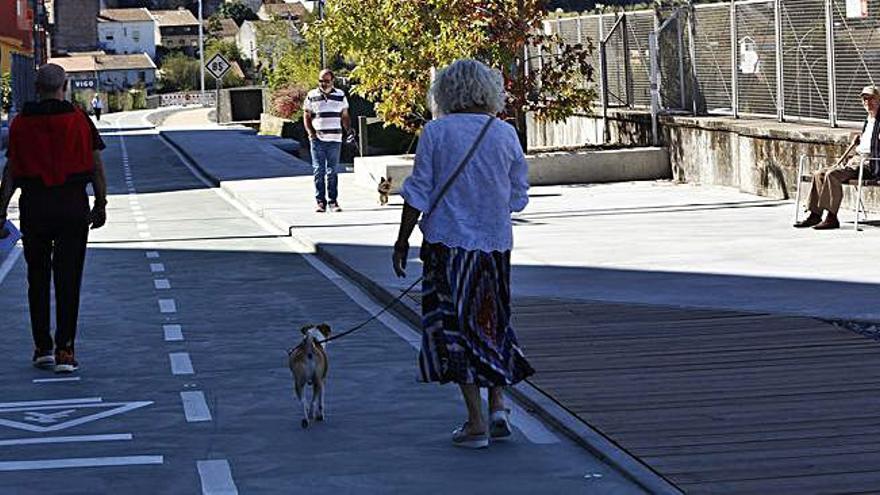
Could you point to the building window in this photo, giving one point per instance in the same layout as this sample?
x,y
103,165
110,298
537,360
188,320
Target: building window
x,y
108,37
136,36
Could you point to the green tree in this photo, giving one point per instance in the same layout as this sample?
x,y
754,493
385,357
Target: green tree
x,y
299,66
180,72
274,40
236,11
396,43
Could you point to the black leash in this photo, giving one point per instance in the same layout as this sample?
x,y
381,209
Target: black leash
x,y
365,322
373,317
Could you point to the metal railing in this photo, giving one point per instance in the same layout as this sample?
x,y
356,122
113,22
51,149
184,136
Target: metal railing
x,y
792,60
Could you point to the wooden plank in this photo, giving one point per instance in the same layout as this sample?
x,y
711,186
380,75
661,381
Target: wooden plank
x,y
717,401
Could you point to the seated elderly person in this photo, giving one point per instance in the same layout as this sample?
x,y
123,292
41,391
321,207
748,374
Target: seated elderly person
x,y
827,191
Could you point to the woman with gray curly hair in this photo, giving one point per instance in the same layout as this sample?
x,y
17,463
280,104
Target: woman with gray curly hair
x,y
469,175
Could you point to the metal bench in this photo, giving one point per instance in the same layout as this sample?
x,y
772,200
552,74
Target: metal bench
x,y
859,184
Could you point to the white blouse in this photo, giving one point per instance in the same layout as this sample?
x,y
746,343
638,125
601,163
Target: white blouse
x,y
475,212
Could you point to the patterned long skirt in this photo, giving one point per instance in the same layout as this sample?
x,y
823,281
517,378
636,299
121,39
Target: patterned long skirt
x,y
467,337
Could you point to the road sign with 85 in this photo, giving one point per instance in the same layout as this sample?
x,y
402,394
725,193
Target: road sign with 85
x,y
218,66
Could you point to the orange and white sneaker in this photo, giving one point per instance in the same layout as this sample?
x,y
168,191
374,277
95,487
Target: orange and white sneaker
x,y
65,362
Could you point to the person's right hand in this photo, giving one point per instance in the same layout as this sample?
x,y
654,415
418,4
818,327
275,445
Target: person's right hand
x,y
97,217
398,259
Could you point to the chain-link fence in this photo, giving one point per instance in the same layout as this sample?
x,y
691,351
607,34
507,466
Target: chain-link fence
x,y
820,53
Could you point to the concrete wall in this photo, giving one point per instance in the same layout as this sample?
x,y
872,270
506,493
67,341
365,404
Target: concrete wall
x,y
754,156
122,79
76,26
231,97
554,168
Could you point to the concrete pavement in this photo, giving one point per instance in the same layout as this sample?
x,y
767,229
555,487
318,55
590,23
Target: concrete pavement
x,y
644,242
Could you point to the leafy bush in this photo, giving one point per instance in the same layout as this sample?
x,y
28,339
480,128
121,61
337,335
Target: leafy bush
x,y
119,101
6,92
138,99
287,101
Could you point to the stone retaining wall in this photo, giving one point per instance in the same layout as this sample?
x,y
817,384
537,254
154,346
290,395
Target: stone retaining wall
x,y
755,156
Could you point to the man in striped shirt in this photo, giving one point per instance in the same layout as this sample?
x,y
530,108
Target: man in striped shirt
x,y
326,120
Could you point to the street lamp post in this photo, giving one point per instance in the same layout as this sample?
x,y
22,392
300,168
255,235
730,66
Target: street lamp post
x,y
321,17
201,54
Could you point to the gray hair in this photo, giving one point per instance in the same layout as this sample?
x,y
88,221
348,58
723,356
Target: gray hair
x,y
50,77
467,84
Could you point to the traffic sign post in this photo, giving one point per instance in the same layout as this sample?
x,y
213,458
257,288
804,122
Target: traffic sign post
x,y
218,66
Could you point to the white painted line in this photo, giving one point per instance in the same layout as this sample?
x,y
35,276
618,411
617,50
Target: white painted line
x,y
167,306
140,219
67,439
216,476
54,380
172,332
194,406
109,409
181,364
152,254
81,462
143,226
161,284
9,262
144,235
66,402
157,267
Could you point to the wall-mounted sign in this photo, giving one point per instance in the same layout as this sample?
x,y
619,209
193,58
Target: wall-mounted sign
x,y
84,84
857,8
749,63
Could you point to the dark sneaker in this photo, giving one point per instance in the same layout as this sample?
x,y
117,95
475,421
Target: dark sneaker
x,y
810,221
461,438
65,362
321,208
828,224
44,360
334,206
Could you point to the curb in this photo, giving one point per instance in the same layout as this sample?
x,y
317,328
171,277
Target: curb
x,y
531,397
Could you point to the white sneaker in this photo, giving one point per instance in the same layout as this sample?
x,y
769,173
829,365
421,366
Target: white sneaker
x,y
460,438
499,424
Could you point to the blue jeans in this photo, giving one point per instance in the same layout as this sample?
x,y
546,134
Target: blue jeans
x,y
325,158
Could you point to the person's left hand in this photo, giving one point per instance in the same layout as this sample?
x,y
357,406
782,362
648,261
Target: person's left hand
x,y
398,259
98,217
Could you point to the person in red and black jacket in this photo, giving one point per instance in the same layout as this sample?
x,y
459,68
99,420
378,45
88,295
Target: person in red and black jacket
x,y
54,153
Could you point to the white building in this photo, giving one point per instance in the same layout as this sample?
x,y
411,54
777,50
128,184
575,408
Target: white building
x,y
127,31
110,72
252,50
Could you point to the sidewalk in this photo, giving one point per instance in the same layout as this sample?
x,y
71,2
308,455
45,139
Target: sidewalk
x,y
676,320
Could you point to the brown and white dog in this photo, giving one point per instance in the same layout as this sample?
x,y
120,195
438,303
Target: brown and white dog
x,y
384,190
309,364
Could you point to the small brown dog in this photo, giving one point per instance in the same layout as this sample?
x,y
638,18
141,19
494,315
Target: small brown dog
x,y
384,190
309,365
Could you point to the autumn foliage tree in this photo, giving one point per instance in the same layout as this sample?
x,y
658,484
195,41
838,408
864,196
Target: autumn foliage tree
x,y
395,44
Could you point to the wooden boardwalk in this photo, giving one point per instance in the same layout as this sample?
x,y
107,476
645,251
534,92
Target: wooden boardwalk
x,y
715,401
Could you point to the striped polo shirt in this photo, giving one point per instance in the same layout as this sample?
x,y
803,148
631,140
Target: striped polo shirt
x,y
326,111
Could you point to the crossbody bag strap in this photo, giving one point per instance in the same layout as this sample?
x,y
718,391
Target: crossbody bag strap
x,y
458,169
